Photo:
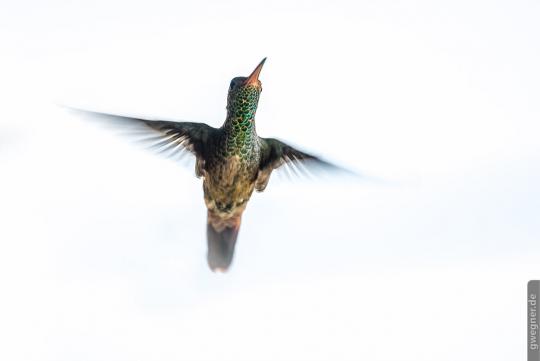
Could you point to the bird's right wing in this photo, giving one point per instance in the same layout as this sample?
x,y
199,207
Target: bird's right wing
x,y
167,137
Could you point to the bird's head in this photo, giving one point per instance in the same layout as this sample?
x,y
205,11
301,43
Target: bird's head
x,y
244,95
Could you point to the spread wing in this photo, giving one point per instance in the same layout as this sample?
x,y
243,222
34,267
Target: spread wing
x,y
168,137
276,154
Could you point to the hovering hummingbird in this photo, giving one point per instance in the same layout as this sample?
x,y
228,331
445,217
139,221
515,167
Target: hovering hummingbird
x,y
232,161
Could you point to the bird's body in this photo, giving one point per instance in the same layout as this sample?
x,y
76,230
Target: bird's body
x,y
231,166
233,161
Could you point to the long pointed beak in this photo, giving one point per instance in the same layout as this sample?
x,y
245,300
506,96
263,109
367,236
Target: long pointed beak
x,y
254,77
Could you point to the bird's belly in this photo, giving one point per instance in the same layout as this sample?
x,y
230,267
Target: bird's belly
x,y
228,186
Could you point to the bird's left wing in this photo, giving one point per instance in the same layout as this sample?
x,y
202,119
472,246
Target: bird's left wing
x,y
276,154
163,136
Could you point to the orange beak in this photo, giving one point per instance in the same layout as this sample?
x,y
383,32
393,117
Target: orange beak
x,y
254,77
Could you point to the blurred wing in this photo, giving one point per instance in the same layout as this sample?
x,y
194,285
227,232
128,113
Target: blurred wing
x,y
276,154
171,138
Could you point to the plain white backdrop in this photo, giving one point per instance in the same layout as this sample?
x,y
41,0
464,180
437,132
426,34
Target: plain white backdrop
x,y
102,245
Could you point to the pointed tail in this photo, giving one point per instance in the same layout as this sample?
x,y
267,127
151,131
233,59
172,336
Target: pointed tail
x,y
221,235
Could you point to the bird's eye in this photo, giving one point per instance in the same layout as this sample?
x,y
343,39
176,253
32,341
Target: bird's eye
x,y
232,85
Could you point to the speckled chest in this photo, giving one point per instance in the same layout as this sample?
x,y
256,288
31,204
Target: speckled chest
x,y
237,157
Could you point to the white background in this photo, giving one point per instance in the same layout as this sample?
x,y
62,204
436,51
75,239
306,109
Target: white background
x,y
102,245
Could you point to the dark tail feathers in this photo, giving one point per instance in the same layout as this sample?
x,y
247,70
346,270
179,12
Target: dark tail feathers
x,y
221,243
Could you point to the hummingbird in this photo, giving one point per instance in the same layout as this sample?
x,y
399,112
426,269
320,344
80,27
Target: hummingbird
x,y
232,161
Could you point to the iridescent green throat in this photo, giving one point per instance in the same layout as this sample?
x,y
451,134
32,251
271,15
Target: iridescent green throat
x,y
239,126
